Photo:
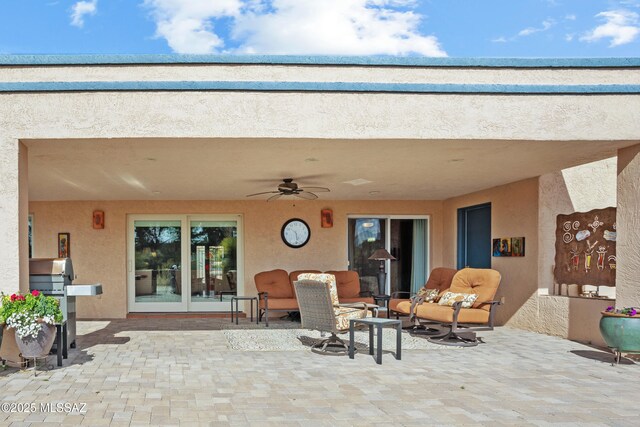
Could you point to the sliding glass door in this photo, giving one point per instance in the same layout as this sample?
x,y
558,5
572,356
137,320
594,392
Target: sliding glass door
x,y
183,263
406,238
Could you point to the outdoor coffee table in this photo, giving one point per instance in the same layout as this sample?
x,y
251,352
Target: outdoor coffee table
x,y
237,311
379,323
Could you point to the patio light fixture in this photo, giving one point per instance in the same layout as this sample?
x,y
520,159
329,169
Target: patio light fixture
x,y
381,255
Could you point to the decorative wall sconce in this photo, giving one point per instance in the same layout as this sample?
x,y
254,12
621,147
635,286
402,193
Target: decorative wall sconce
x,y
98,220
326,218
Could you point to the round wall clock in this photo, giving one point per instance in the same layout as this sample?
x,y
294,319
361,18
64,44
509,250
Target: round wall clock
x,y
295,233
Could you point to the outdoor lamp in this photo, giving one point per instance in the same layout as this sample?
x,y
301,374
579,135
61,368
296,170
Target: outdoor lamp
x,y
381,255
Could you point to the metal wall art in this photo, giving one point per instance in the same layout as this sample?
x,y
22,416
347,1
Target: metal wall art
x,y
586,248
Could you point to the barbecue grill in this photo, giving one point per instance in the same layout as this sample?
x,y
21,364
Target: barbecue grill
x,y
54,277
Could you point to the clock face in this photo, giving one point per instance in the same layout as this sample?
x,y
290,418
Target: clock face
x,y
295,233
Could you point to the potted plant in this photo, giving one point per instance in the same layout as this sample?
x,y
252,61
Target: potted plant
x,y
620,329
33,317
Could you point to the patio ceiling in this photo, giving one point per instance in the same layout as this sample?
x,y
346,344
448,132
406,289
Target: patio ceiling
x,y
229,169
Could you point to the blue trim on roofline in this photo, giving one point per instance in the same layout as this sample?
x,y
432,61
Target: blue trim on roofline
x,y
404,61
313,87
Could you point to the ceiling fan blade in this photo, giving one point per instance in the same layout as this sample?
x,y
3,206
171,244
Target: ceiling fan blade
x,y
264,192
316,189
277,196
306,195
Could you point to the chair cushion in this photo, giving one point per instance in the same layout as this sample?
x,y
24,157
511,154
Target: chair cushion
x,y
281,304
444,313
276,283
329,279
440,279
449,298
348,283
401,305
481,281
293,276
344,314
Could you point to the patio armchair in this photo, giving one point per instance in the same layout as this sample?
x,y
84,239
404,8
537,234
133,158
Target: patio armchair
x,y
439,279
319,311
468,306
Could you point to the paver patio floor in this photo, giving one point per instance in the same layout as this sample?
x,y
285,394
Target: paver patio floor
x,y
183,372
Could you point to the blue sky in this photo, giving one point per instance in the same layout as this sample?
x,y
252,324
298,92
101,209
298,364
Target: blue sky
x,y
454,28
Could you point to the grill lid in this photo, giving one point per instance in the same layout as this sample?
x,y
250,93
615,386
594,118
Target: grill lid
x,y
51,267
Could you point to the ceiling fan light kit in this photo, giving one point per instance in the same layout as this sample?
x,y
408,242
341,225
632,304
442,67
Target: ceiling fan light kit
x,y
290,188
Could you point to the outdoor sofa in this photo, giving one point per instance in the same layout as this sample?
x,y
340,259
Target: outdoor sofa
x,y
276,290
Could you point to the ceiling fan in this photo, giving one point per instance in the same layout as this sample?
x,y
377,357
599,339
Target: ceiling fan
x,y
290,188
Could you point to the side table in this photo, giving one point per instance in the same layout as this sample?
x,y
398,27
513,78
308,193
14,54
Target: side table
x,y
385,302
235,299
379,323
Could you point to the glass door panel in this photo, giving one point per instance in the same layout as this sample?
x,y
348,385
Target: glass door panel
x,y
365,236
214,263
158,261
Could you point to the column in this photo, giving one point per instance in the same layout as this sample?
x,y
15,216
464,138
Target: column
x,y
14,212
628,228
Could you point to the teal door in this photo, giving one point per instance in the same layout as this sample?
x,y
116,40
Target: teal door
x,y
474,236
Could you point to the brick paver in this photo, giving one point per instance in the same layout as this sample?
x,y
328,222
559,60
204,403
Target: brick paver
x,y
182,372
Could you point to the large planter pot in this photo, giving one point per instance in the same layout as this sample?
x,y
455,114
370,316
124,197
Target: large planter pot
x,y
620,332
9,350
38,346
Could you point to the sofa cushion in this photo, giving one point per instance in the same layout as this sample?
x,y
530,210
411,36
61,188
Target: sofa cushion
x,y
329,279
280,304
400,305
293,276
348,283
449,298
444,313
481,281
276,283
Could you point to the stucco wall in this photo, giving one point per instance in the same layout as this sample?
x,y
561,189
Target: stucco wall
x,y
628,219
100,255
514,210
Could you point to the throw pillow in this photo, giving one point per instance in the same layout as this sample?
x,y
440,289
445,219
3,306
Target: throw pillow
x,y
451,297
427,295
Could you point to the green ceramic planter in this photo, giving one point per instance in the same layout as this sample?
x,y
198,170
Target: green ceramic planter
x,y
621,333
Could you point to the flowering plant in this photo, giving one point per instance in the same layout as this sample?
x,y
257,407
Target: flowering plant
x,y
27,313
627,311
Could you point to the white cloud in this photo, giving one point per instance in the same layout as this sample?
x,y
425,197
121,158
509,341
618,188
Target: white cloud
x,y
186,25
82,9
546,24
500,39
621,27
569,37
342,27
570,17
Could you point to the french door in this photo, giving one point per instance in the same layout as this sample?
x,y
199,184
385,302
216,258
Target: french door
x,y
406,238
183,262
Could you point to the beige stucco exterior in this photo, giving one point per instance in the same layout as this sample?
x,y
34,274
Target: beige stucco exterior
x,y
100,255
628,218
562,130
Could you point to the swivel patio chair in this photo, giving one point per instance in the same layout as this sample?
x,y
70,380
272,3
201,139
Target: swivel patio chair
x,y
319,312
467,307
437,284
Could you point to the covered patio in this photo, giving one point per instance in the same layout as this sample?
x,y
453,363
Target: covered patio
x,y
186,371
188,137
